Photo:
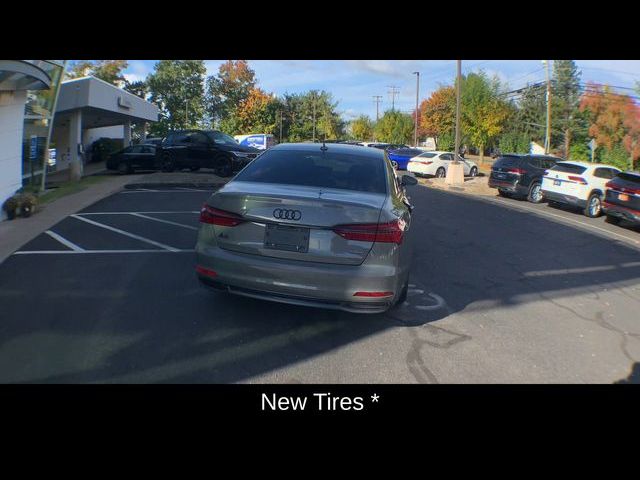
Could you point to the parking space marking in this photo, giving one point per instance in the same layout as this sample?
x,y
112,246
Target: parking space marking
x,y
127,234
64,241
542,212
67,252
165,191
164,221
125,213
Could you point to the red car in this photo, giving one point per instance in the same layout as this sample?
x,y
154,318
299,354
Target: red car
x,y
622,198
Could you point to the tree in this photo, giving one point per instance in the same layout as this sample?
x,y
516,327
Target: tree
x,y
108,70
231,86
299,117
437,114
256,114
138,88
395,127
362,128
565,102
615,123
483,111
177,88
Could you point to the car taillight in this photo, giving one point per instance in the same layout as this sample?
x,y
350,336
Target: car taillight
x,y
580,180
620,188
206,271
215,216
390,232
517,171
428,163
610,185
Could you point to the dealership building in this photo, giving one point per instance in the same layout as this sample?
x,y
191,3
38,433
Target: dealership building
x,y
36,106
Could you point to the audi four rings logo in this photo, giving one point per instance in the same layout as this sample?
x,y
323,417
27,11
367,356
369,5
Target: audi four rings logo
x,y
283,214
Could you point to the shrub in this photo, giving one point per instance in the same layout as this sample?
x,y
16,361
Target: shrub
x,y
580,152
616,156
10,206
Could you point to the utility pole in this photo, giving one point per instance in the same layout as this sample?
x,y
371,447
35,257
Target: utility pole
x,y
547,140
314,117
455,172
415,135
376,98
393,92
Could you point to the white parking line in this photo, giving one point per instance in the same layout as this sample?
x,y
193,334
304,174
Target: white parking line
x,y
164,221
562,217
58,252
127,213
64,241
165,191
127,234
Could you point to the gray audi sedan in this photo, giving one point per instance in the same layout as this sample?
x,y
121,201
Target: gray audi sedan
x,y
310,224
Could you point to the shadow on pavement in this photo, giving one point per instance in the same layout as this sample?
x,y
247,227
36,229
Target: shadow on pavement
x,y
144,318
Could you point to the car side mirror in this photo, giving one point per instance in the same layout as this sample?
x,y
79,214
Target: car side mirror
x,y
408,180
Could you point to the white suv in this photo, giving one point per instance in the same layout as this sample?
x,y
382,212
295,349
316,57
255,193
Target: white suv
x,y
579,184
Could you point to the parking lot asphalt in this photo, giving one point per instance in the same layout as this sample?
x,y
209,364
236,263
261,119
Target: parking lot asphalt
x,y
501,292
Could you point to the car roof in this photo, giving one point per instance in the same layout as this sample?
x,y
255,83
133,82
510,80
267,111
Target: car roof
x,y
330,147
587,164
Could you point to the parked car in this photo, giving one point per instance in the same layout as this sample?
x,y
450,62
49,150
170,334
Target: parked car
x,y
261,141
152,141
579,184
622,198
520,175
437,163
400,157
195,149
307,224
135,157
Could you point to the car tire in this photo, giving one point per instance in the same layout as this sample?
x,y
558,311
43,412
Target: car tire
x,y
504,193
594,206
441,172
613,220
168,164
226,170
535,193
473,172
394,164
124,168
403,293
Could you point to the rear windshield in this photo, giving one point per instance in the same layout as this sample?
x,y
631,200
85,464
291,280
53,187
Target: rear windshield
x,y
629,177
506,162
568,168
317,169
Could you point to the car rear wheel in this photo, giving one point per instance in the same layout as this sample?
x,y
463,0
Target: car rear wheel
x,y
394,164
441,173
594,206
535,193
226,169
473,172
168,164
403,294
612,220
124,168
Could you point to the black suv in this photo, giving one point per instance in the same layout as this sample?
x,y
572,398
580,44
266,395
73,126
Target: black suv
x,y
195,149
521,175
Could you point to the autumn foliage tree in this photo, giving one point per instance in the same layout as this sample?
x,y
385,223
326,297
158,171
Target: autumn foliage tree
x,y
615,121
256,113
437,114
362,128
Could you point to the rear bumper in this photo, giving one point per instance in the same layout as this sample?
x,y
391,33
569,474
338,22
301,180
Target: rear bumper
x,y
619,211
562,198
507,186
301,283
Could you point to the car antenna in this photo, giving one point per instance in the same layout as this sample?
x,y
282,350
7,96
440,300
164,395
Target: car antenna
x,y
324,148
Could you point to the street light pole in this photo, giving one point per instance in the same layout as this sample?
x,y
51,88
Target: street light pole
x,y
455,172
415,134
547,140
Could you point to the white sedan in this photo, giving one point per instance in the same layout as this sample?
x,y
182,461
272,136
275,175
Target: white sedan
x,y
436,164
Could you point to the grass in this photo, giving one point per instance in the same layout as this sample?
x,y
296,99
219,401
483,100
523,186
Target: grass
x,y
69,188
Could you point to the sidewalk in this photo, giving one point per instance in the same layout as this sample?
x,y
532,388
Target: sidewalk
x,y
15,233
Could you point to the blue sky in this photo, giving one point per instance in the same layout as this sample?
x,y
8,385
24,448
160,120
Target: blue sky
x,y
354,82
